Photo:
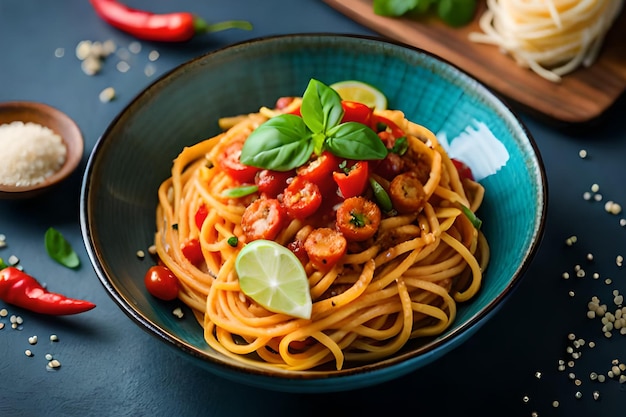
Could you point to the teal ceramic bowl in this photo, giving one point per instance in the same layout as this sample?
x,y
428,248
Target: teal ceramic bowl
x,y
135,153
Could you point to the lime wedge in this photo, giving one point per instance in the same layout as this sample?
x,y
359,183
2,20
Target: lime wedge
x,y
273,276
361,92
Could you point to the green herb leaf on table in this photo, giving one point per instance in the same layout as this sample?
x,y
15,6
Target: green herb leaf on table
x,y
59,249
455,13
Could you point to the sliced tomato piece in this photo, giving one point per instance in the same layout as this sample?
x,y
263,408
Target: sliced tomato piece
x,y
325,247
201,215
380,123
272,183
356,112
161,283
284,102
302,198
407,193
263,219
192,251
229,162
319,169
463,169
358,218
353,179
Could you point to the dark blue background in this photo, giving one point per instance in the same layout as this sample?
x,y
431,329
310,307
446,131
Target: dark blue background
x,y
110,367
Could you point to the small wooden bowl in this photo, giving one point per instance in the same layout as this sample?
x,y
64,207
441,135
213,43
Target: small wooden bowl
x,y
59,123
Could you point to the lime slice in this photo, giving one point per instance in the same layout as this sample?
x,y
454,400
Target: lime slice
x,y
361,92
273,276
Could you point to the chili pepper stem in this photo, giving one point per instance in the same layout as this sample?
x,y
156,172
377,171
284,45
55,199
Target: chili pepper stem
x,y
202,26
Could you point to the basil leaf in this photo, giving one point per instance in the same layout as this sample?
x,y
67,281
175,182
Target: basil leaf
x,y
60,249
394,7
321,107
3,264
381,196
282,143
354,140
238,192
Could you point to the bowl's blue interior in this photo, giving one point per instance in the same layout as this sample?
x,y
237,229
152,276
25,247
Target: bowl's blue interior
x,y
135,154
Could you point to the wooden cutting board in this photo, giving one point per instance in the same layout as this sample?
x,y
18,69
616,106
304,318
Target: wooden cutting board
x,y
581,96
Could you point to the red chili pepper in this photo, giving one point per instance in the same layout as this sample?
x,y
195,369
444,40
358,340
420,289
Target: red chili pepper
x,y
168,27
22,290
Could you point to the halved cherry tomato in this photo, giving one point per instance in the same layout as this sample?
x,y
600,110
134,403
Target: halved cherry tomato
x,y
302,198
229,162
463,169
379,123
407,193
319,169
263,219
161,283
201,215
353,180
297,247
325,247
356,112
271,183
358,218
192,251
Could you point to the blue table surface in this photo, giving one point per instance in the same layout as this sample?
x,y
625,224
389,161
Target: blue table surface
x,y
111,367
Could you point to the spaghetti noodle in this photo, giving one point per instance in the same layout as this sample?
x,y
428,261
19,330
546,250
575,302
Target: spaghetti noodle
x,y
551,37
402,283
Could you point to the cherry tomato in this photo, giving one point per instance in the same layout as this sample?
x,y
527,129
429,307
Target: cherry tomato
x,y
325,247
302,198
354,181
297,247
356,112
464,170
263,219
161,283
358,218
284,102
271,183
320,169
192,251
229,162
201,215
390,167
407,193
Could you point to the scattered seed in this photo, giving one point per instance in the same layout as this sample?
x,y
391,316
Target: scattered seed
x,y
32,340
28,352
134,47
141,254
178,312
153,55
54,338
555,404
596,395
13,260
106,95
54,364
48,357
122,66
4,312
582,153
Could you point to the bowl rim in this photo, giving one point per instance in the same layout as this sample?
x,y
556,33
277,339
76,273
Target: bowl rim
x,y
311,380
74,143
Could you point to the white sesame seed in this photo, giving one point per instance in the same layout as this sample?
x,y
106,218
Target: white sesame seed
x,y
578,395
178,312
122,66
601,378
54,364
538,374
590,256
555,404
152,250
153,55
141,254
597,197
107,94
27,352
1,326
48,357
32,340
4,312
134,47
13,260
596,395
54,338
586,196
565,275
595,188
582,153
525,398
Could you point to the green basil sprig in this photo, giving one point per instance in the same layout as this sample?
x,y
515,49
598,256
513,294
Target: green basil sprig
x,y
287,141
60,249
